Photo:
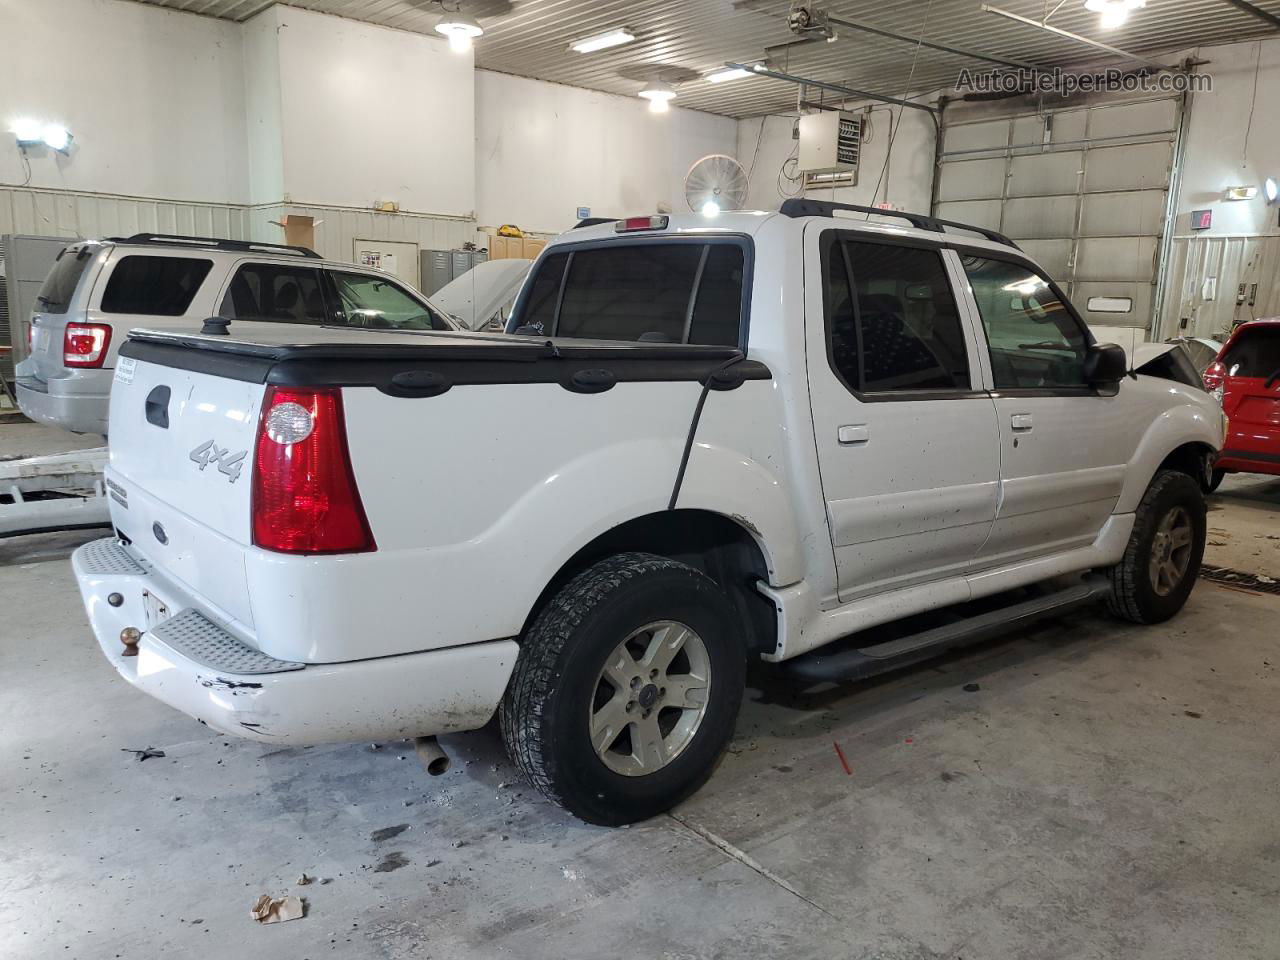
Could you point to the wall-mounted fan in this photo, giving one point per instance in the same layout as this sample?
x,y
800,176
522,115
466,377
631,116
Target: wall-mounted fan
x,y
715,183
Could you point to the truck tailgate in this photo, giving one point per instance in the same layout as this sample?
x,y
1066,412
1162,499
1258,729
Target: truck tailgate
x,y
180,474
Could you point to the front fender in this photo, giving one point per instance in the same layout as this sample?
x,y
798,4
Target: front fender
x,y
1194,421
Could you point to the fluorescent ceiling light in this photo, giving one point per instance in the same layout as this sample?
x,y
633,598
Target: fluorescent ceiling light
x,y
602,41
659,93
460,29
1271,188
1241,193
728,73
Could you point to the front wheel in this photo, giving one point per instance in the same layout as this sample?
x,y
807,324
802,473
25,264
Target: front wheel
x,y
1160,565
626,690
1214,480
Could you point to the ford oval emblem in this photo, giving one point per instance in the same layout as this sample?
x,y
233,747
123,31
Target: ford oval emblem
x,y
159,532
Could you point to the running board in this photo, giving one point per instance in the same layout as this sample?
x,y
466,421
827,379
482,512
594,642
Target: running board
x,y
855,664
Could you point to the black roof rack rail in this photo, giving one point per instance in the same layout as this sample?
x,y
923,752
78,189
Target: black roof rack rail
x,y
178,240
804,207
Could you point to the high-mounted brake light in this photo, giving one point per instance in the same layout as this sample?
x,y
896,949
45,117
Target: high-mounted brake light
x,y
85,344
642,223
305,498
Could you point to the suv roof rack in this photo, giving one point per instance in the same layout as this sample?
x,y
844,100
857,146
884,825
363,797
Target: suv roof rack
x,y
803,207
178,240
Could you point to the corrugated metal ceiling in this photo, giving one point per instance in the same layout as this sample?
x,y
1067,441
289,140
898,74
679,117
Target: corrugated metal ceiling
x,y
530,38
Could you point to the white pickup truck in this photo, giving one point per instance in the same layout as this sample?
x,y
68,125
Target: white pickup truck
x,y
750,436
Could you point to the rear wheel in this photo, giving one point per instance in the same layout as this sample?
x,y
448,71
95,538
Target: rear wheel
x,y
1160,565
627,688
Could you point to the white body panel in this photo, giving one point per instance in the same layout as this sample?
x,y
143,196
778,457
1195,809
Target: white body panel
x,y
478,497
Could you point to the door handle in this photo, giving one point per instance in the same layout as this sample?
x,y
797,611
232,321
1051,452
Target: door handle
x,y
1021,422
854,434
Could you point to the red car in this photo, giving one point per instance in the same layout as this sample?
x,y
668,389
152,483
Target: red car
x,y
1246,379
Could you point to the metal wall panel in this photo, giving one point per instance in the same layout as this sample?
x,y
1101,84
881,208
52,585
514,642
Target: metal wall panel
x,y
981,213
1116,258
1044,174
1040,217
1142,166
1140,293
1204,279
1053,255
1120,214
1133,119
972,179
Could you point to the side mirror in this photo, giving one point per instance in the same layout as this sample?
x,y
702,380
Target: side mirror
x,y
1106,365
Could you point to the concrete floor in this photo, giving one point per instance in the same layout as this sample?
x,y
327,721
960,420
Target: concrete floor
x,y
1108,791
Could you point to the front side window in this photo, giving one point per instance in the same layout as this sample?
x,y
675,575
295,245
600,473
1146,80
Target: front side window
x,y
892,321
377,303
1034,341
647,292
60,285
1255,353
154,286
275,293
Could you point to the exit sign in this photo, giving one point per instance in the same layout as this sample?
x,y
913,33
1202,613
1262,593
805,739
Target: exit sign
x,y
1201,219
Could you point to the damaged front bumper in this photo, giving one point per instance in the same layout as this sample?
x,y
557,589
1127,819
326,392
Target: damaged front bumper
x,y
193,663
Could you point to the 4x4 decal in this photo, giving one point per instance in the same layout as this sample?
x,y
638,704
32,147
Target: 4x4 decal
x,y
228,462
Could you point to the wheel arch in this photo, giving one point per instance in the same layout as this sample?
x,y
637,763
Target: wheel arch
x,y
724,548
1179,439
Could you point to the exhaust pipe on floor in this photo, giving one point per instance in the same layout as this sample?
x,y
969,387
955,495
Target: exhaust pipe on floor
x,y
432,755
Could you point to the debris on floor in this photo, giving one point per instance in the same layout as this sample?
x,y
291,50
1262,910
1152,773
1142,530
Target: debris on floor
x,y
304,880
843,762
278,910
971,688
144,754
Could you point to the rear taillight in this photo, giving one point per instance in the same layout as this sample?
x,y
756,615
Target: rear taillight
x,y
304,491
85,344
1215,379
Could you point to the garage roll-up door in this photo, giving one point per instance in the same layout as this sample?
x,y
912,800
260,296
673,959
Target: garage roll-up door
x,y
1084,190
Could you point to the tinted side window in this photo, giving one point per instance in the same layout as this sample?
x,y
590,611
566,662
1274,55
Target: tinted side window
x,y
540,306
375,302
717,312
273,292
629,292
1033,339
1256,353
60,285
155,286
909,335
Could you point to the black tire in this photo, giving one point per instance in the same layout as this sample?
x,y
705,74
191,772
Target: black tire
x,y
545,713
1133,595
1215,480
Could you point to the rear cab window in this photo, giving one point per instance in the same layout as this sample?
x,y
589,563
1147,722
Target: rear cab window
x,y
154,286
671,290
1254,353
59,286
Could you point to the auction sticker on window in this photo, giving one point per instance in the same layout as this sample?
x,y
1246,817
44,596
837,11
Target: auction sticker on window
x,y
124,369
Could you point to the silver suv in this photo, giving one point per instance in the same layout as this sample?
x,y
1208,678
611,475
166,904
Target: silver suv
x,y
99,289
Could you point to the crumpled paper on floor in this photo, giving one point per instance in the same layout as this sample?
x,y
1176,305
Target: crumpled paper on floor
x,y
277,910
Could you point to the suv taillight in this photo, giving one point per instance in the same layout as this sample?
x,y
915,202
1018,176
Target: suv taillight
x,y
1215,378
85,344
305,498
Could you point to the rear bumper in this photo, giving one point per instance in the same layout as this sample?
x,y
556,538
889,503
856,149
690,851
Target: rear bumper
x,y
417,694
77,403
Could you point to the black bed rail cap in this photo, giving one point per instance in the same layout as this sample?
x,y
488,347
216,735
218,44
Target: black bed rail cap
x,y
804,207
